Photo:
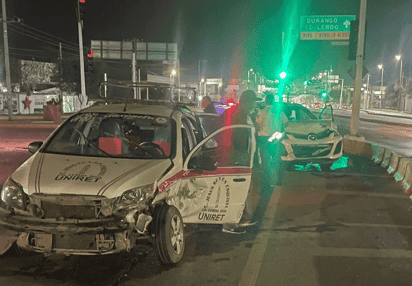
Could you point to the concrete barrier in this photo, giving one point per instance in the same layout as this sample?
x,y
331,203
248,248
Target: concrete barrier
x,y
357,147
407,180
400,173
394,163
386,158
377,153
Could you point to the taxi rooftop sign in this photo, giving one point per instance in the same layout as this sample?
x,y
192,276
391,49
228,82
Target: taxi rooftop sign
x,y
325,27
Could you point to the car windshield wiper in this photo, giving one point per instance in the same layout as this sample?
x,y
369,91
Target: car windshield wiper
x,y
128,141
90,144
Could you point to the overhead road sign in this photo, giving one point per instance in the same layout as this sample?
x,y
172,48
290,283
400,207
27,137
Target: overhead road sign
x,y
214,81
325,27
123,50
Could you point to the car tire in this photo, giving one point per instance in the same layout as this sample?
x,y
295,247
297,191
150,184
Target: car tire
x,y
169,234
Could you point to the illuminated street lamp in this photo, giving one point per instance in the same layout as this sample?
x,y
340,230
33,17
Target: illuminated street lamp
x,y
172,74
204,86
249,71
380,96
399,58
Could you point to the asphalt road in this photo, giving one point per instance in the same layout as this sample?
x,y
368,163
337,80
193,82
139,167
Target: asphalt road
x,y
394,137
347,226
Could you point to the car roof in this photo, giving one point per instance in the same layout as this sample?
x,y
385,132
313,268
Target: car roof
x,y
133,108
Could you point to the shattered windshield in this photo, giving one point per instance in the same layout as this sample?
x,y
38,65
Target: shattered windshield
x,y
299,113
114,135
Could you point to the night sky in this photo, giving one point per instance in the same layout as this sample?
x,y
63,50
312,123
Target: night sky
x,y
230,35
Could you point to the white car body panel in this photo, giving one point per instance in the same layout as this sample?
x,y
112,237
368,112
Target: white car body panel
x,y
57,174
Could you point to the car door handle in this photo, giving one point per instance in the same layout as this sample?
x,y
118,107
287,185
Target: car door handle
x,y
239,180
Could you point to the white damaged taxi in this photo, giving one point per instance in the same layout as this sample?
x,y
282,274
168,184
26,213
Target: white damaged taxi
x,y
119,174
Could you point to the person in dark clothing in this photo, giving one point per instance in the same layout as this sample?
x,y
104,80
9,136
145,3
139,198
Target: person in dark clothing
x,y
240,140
207,105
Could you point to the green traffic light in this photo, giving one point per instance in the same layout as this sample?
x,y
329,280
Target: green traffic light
x,y
282,75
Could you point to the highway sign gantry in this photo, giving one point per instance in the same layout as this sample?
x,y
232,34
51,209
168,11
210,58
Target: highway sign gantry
x,y
325,27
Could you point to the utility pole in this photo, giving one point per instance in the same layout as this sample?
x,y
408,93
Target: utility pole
x,y
366,100
61,75
139,94
134,75
341,94
7,61
354,123
82,80
105,85
178,77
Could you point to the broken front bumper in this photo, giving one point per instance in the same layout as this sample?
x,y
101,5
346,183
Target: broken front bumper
x,y
304,151
80,225
70,236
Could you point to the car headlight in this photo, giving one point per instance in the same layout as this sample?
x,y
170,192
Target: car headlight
x,y
13,195
134,197
276,136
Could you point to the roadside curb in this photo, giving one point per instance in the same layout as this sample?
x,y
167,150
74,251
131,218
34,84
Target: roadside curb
x,y
397,166
377,121
389,115
28,124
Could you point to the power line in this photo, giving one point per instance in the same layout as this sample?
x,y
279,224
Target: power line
x,y
47,34
40,38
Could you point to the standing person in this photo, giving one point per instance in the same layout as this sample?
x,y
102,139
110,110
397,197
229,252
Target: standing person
x,y
241,115
207,105
270,120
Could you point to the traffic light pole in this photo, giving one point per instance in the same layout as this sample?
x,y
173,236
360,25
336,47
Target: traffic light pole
x,y
354,123
82,80
7,61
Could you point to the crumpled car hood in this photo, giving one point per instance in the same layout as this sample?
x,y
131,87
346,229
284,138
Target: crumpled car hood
x,y
309,126
57,174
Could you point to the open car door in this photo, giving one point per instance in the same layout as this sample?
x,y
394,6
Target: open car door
x,y
326,113
217,175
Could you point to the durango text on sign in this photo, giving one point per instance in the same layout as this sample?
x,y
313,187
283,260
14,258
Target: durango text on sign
x,y
326,23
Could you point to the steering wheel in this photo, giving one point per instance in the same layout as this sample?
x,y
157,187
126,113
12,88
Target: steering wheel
x,y
154,145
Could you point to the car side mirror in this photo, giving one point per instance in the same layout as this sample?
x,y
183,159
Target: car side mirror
x,y
202,163
211,144
34,146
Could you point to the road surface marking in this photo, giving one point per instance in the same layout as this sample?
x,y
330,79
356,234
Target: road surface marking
x,y
374,225
368,194
360,252
315,224
252,268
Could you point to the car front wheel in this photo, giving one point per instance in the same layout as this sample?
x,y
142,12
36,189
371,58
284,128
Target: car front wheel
x,y
169,231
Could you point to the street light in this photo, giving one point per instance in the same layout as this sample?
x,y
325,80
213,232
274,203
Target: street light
x,y
172,74
380,96
399,58
200,86
248,77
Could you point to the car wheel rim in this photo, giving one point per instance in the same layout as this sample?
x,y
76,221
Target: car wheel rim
x,y
177,234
